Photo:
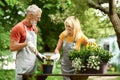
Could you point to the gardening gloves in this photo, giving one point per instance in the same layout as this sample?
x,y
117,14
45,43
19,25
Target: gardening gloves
x,y
31,46
41,57
55,57
35,51
90,41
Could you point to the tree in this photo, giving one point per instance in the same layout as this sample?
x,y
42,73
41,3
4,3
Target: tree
x,y
111,12
9,11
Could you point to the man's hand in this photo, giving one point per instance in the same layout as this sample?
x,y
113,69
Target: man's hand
x,y
55,57
41,57
31,46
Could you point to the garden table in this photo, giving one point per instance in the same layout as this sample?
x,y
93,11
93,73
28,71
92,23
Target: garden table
x,y
72,76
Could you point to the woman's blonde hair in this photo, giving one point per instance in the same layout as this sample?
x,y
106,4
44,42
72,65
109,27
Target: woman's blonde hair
x,y
75,24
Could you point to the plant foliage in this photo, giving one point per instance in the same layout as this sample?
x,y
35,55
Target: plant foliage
x,y
92,55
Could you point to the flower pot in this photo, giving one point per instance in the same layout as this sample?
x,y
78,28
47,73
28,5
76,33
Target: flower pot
x,y
47,69
102,70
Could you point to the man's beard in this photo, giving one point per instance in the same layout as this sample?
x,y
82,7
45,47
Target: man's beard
x,y
33,22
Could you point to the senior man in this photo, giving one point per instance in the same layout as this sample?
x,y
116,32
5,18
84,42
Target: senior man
x,y
23,39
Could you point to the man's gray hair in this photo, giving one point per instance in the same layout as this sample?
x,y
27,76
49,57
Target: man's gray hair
x,y
32,9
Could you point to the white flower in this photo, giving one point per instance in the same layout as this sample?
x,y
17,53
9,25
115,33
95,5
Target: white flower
x,y
93,62
77,64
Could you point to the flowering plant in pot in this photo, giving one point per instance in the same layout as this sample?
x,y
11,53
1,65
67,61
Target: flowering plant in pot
x,y
89,58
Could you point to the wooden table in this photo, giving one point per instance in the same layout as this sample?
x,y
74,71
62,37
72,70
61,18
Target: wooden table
x,y
44,76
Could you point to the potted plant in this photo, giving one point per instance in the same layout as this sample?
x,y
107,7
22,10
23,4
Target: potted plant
x,y
47,66
90,59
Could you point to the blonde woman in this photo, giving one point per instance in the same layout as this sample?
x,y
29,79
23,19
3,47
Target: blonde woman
x,y
71,38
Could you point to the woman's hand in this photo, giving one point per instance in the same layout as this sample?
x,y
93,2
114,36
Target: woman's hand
x,y
55,57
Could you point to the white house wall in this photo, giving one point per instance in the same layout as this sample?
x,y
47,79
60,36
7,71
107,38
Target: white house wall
x,y
113,47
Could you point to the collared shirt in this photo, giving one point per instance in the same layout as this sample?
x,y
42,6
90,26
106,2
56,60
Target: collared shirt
x,y
18,32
